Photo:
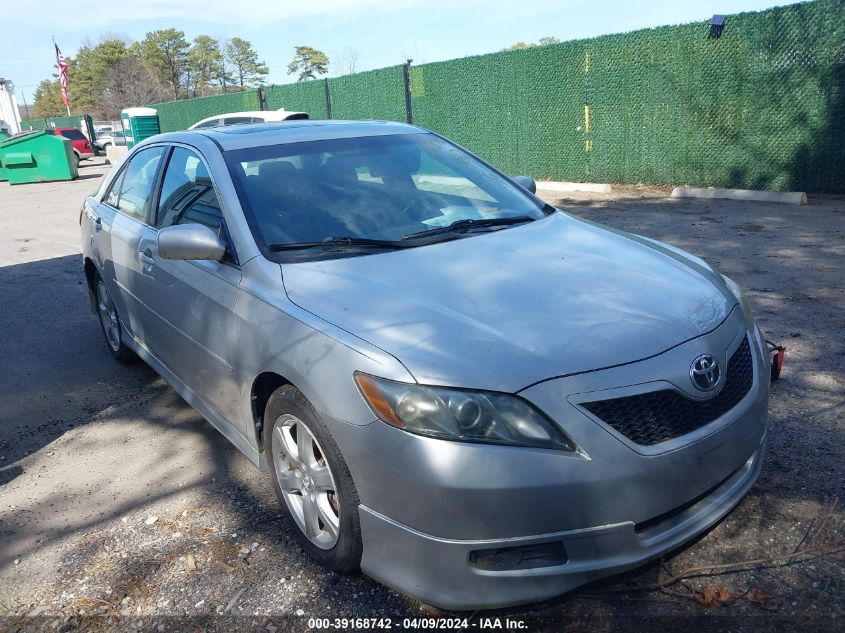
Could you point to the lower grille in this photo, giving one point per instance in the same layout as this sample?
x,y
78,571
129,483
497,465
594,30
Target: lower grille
x,y
658,416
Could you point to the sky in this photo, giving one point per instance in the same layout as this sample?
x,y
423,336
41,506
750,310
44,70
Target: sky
x,y
384,32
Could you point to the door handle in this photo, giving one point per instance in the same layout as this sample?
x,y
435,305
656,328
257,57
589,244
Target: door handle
x,y
146,256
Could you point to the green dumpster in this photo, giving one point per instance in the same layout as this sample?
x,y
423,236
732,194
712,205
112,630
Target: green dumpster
x,y
138,124
37,157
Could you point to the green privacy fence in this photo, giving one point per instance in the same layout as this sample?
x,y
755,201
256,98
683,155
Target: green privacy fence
x,y
179,115
761,107
306,96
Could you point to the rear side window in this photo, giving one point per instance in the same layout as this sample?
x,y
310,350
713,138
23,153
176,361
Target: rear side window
x,y
187,193
74,135
212,123
236,120
137,186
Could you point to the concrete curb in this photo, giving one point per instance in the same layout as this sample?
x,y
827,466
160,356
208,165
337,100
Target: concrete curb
x,y
782,197
590,187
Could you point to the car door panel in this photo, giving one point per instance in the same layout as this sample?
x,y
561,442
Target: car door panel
x,y
129,212
190,304
193,308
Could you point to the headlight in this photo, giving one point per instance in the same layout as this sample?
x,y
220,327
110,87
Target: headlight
x,y
462,415
740,295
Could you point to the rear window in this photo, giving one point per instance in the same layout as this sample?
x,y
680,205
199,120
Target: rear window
x,y
74,135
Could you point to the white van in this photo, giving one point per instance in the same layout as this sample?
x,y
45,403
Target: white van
x,y
258,116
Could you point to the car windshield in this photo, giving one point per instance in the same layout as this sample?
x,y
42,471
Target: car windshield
x,y
393,188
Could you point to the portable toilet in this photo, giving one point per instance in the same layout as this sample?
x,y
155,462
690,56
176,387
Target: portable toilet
x,y
138,124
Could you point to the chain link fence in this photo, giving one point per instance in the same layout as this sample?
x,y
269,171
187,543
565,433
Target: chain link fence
x,y
761,107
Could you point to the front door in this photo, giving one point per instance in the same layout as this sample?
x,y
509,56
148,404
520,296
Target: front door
x,y
191,303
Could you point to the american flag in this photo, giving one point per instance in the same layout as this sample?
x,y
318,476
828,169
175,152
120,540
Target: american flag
x,y
61,63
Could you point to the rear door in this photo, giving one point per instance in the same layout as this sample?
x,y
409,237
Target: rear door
x,y
190,304
122,223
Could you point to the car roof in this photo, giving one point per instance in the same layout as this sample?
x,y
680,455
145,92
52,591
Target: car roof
x,y
297,131
278,115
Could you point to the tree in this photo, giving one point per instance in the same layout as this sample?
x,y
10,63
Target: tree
x,y
88,69
205,60
165,52
517,46
48,99
129,83
243,60
308,62
543,41
348,61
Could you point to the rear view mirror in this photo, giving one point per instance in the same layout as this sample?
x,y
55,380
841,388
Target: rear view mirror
x,y
190,241
526,182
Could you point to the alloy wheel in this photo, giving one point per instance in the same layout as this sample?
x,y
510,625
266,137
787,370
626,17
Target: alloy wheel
x,y
108,316
306,481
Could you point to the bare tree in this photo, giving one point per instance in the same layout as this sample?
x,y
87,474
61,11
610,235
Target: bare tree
x,y
348,61
129,83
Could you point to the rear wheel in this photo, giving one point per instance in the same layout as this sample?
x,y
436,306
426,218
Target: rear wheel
x,y
110,321
76,160
312,481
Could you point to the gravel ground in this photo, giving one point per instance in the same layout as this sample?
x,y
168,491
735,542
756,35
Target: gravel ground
x,y
121,508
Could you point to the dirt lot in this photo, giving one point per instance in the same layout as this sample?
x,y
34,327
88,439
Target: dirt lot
x,y
120,507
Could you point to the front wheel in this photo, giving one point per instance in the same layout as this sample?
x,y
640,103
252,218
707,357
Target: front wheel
x,y
312,481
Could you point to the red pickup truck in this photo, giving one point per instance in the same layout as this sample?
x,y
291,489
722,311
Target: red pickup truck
x,y
81,146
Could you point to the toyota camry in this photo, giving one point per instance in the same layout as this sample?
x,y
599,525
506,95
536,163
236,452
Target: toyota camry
x,y
470,395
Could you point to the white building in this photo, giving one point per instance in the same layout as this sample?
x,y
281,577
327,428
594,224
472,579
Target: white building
x,y
10,118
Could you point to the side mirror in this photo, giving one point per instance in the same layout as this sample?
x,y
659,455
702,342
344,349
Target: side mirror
x,y
526,182
190,241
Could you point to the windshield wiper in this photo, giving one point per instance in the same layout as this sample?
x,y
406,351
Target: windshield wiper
x,y
339,242
469,223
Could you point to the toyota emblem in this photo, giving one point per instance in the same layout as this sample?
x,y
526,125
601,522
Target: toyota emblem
x,y
705,372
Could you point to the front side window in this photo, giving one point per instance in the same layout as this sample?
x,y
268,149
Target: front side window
x,y
137,185
187,194
212,123
388,188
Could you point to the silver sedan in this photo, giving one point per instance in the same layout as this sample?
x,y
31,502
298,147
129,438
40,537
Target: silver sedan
x,y
475,398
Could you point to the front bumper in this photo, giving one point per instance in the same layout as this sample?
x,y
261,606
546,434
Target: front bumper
x,y
439,571
427,504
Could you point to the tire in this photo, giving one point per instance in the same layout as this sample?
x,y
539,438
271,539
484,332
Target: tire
x,y
321,482
76,160
110,323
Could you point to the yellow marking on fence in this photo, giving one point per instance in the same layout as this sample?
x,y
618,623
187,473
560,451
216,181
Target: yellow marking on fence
x,y
588,145
586,118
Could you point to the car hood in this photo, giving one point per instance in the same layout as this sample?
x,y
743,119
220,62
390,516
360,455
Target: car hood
x,y
506,309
